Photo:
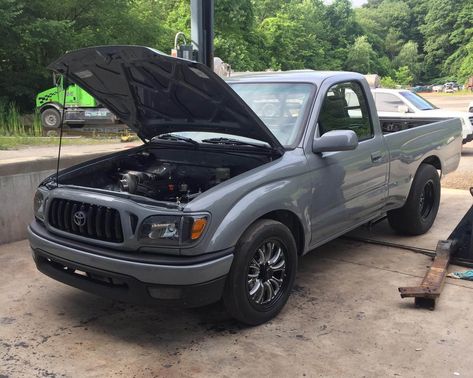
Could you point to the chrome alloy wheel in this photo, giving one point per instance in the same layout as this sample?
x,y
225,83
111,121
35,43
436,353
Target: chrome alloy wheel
x,y
266,273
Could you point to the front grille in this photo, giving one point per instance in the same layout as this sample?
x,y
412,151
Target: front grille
x,y
84,219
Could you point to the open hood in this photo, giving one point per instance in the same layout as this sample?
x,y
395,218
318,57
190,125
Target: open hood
x,y
154,93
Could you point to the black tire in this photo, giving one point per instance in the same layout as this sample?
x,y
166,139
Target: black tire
x,y
50,132
266,236
418,213
50,118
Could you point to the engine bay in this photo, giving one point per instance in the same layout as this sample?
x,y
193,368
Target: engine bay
x,y
166,175
170,182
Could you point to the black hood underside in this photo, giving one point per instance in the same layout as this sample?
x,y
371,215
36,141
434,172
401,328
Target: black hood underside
x,y
154,93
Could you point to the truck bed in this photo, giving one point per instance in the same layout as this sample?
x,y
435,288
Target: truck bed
x,y
410,145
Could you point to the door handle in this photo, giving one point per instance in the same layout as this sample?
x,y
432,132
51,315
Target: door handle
x,y
376,157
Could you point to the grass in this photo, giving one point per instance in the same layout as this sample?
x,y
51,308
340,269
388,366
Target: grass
x,y
16,142
13,124
18,131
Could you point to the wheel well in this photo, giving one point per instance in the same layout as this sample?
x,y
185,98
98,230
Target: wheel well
x,y
50,106
434,161
291,221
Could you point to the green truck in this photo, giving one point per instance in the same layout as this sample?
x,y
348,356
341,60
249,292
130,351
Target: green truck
x,y
81,109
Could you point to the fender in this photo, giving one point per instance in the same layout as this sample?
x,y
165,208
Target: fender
x,y
48,105
286,194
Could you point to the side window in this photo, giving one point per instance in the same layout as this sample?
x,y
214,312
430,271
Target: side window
x,y
345,108
386,102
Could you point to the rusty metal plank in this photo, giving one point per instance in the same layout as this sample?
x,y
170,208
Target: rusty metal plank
x,y
431,286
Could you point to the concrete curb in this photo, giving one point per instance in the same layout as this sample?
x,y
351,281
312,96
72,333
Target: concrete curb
x,y
18,183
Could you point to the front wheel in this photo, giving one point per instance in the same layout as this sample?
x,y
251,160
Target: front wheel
x,y
262,273
50,118
420,210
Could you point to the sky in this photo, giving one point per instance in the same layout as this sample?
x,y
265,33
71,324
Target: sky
x,y
358,3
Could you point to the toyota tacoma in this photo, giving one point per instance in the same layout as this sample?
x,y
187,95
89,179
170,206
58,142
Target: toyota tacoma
x,y
233,182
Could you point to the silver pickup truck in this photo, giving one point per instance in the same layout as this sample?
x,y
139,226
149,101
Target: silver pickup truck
x,y
233,182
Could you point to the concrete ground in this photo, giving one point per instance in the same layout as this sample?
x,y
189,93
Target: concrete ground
x,y
344,319
35,153
462,178
449,101
453,204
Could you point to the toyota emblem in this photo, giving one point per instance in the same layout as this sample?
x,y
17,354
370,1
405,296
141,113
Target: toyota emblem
x,y
79,218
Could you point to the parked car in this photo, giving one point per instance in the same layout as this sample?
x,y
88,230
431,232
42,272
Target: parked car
x,y
437,88
234,181
400,103
451,87
421,88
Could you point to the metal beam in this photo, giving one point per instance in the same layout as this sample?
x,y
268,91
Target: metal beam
x,y
202,35
429,290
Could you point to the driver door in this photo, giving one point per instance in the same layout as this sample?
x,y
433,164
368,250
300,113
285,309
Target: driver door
x,y
349,186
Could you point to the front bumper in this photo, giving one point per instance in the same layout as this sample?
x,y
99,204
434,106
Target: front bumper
x,y
193,284
89,116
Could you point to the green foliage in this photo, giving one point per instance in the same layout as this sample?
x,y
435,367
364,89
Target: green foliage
x,y
409,56
404,76
13,124
410,41
388,82
360,56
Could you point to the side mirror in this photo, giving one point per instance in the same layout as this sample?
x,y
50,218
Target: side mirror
x,y
336,140
403,109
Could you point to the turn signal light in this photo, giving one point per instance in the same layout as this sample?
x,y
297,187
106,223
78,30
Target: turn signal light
x,y
198,228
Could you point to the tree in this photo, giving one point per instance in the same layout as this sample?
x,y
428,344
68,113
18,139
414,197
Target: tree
x,y
432,38
388,82
341,30
460,63
439,25
409,56
360,56
296,37
404,76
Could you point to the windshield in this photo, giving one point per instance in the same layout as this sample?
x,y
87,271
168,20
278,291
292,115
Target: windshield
x,y
281,106
418,101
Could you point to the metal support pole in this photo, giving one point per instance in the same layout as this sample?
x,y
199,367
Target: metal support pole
x,y
202,34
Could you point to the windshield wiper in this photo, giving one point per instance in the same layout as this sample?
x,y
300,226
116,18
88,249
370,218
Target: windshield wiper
x,y
234,142
176,138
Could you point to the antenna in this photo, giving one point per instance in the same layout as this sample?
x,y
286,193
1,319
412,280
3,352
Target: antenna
x,y
64,86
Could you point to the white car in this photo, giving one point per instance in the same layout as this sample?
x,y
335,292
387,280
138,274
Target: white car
x,y
404,103
470,107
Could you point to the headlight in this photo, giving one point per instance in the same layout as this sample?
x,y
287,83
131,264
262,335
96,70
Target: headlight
x,y
38,205
169,230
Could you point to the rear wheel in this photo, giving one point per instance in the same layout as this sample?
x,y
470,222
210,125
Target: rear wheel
x,y
420,210
262,273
